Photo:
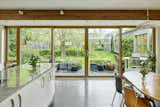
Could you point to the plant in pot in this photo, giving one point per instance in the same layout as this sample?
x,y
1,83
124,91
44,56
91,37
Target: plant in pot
x,y
144,69
33,61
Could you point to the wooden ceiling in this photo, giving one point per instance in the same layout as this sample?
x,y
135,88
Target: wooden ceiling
x,y
79,15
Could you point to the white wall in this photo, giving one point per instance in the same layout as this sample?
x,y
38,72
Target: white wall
x,y
1,46
158,49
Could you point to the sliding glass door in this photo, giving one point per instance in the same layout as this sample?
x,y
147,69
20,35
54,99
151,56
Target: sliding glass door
x,y
103,51
79,51
69,51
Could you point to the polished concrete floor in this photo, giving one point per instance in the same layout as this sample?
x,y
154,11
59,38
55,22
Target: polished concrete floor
x,y
85,93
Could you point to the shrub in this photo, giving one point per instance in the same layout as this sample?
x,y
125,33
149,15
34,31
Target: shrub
x,y
74,52
45,52
26,54
99,49
127,45
71,52
57,52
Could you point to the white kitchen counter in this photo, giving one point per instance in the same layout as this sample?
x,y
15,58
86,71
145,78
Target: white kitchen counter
x,y
14,80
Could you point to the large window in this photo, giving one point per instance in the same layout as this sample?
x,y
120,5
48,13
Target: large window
x,y
77,51
136,46
69,51
103,50
35,42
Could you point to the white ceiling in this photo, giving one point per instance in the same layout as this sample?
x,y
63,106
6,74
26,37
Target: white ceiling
x,y
74,22
79,4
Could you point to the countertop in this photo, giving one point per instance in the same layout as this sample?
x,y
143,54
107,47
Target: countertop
x,y
13,79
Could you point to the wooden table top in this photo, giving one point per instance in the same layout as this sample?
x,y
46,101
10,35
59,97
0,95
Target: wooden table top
x,y
150,87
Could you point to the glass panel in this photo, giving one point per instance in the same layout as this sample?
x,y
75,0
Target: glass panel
x,y
137,46
35,43
103,51
12,46
127,46
69,51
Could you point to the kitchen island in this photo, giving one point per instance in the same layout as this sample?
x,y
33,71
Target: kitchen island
x,y
25,86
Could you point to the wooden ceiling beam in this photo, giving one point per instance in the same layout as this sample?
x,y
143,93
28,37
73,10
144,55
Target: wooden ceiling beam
x,y
79,15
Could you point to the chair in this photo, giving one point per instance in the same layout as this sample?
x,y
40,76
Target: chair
x,y
100,67
131,100
129,97
118,85
93,67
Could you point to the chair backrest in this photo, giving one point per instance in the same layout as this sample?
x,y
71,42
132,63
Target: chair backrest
x,y
130,97
118,82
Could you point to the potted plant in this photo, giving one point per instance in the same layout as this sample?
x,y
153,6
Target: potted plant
x,y
144,69
33,61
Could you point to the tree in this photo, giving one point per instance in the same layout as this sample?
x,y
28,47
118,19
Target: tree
x,y
72,36
127,45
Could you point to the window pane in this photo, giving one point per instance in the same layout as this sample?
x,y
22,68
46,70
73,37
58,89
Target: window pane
x,y
35,42
12,45
136,45
103,51
69,51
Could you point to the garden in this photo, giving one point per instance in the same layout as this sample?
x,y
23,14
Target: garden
x,y
69,46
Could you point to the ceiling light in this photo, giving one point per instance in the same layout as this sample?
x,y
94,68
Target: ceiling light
x,y
61,12
20,12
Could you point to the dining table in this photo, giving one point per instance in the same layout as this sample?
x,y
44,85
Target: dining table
x,y
149,86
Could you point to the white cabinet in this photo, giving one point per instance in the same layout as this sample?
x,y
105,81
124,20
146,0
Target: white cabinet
x,y
38,93
31,95
7,103
12,101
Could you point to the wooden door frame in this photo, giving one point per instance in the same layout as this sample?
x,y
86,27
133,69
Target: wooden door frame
x,y
6,34
86,45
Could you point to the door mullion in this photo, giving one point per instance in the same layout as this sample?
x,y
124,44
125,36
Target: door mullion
x,y
86,52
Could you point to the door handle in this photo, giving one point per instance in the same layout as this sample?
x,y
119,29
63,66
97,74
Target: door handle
x,y
12,103
20,100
